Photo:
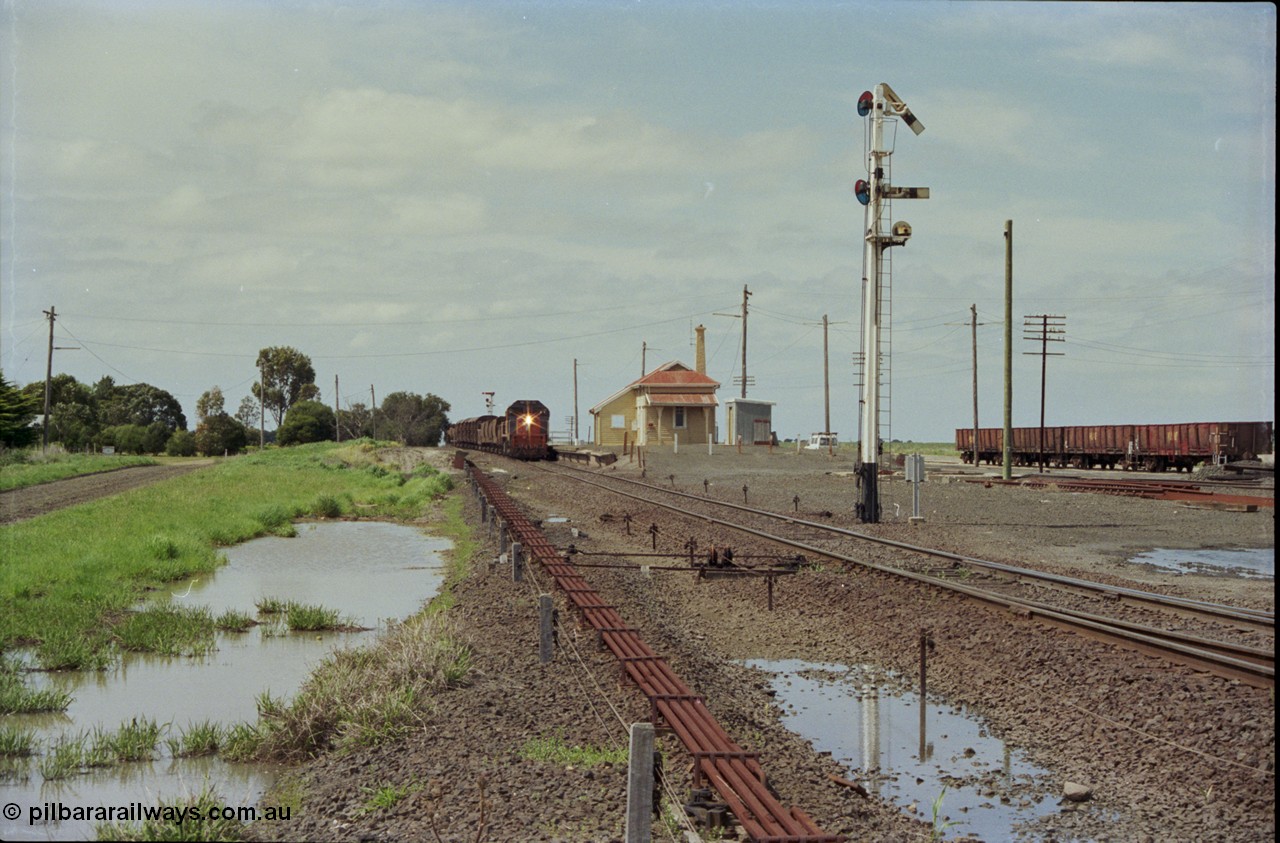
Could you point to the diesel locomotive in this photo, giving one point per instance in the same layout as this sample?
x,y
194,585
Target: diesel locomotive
x,y
520,433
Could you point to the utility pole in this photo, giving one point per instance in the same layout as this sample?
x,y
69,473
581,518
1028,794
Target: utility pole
x,y
1006,470
373,412
745,294
973,310
575,401
1051,329
644,351
262,405
48,378
872,193
337,425
826,373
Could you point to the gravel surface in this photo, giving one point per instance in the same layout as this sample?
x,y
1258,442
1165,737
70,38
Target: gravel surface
x,y
30,501
1167,753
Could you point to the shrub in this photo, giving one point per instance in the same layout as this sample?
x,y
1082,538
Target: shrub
x,y
182,443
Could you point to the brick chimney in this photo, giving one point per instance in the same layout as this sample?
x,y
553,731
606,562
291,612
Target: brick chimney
x,y
700,357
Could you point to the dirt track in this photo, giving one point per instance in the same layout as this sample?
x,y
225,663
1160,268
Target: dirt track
x,y
28,502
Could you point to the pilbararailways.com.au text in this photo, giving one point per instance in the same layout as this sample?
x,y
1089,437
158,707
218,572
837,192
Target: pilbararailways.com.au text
x,y
49,812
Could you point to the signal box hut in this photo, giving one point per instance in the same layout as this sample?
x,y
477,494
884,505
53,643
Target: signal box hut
x,y
749,421
672,400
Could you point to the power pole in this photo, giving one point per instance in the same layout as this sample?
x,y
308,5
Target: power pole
x,y
575,401
873,193
1051,329
826,382
48,378
1006,470
644,351
337,425
262,406
373,412
973,310
745,294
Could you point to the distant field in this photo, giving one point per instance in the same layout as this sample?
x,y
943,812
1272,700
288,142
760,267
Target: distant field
x,y
28,468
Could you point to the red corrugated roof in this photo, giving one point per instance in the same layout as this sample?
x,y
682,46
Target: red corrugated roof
x,y
676,377
683,398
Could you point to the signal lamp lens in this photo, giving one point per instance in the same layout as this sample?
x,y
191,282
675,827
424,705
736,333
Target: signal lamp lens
x,y
862,190
864,104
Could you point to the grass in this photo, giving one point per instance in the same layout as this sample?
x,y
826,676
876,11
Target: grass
x,y
386,795
553,749
198,739
20,469
17,698
69,573
304,617
233,621
177,820
63,757
271,606
169,630
368,695
16,742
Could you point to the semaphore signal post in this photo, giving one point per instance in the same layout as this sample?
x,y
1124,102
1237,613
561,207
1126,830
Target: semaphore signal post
x,y
874,192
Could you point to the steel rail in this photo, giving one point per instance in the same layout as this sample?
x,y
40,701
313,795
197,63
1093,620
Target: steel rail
x,y
735,773
1250,665
1252,618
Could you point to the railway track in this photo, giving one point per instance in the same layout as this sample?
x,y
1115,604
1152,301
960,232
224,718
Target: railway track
x,y
1225,640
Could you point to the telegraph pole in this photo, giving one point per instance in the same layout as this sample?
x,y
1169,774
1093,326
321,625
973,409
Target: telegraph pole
x,y
873,193
575,401
1051,329
745,294
337,425
1006,458
48,378
973,310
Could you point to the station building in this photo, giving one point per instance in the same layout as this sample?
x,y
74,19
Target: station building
x,y
672,400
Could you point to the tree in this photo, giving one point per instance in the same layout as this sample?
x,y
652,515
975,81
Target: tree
x,y
286,378
73,410
181,444
306,421
249,413
209,403
221,434
17,412
125,438
140,404
412,419
355,422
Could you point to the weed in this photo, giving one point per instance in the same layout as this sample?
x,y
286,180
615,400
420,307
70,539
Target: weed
x,y
327,506
552,748
136,740
196,740
940,825
63,757
241,742
271,605
16,742
67,649
17,698
386,795
200,817
233,620
168,630
303,617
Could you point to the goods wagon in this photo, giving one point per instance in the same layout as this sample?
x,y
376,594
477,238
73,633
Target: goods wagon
x,y
1150,447
521,432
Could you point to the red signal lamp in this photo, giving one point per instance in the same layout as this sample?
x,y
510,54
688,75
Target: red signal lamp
x,y
862,190
864,104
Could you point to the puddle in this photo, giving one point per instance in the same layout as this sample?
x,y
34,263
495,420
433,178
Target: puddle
x,y
992,792
369,571
1256,563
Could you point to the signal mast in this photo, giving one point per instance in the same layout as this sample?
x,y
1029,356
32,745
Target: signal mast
x,y
872,193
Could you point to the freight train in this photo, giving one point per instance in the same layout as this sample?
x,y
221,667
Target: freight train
x,y
1148,447
520,433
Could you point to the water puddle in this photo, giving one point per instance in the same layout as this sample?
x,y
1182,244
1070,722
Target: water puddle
x,y
369,571
1255,563
879,735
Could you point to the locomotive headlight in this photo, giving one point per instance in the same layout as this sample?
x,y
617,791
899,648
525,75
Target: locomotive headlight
x,y
528,420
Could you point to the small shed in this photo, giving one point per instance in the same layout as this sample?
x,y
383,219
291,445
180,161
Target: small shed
x,y
750,420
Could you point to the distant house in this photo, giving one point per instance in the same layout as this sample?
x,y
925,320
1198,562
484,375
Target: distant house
x,y
672,400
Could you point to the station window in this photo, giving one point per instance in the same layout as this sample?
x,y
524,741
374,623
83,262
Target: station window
x,y
680,420
618,421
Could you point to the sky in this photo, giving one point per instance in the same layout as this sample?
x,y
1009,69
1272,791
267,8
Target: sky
x,y
462,197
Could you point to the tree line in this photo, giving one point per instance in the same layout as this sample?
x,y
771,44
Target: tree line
x,y
144,419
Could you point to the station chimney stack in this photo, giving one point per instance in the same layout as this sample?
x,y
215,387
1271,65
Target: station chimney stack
x,y
700,355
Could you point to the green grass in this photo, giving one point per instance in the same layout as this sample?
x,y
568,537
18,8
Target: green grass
x,y
17,698
30,467
198,739
367,695
386,795
69,574
241,742
16,742
63,757
233,621
552,748
271,606
169,630
304,617
213,825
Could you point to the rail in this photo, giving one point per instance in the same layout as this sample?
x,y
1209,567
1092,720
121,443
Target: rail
x,y
735,774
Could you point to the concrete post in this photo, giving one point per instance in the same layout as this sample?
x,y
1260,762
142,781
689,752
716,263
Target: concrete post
x,y
517,563
640,784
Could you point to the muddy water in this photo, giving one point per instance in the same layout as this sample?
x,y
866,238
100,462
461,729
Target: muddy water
x,y
1256,563
370,572
991,792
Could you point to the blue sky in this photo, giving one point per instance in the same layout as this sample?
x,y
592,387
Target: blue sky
x,y
463,197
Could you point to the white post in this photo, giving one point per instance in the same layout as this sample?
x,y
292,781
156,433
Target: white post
x,y
675,443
